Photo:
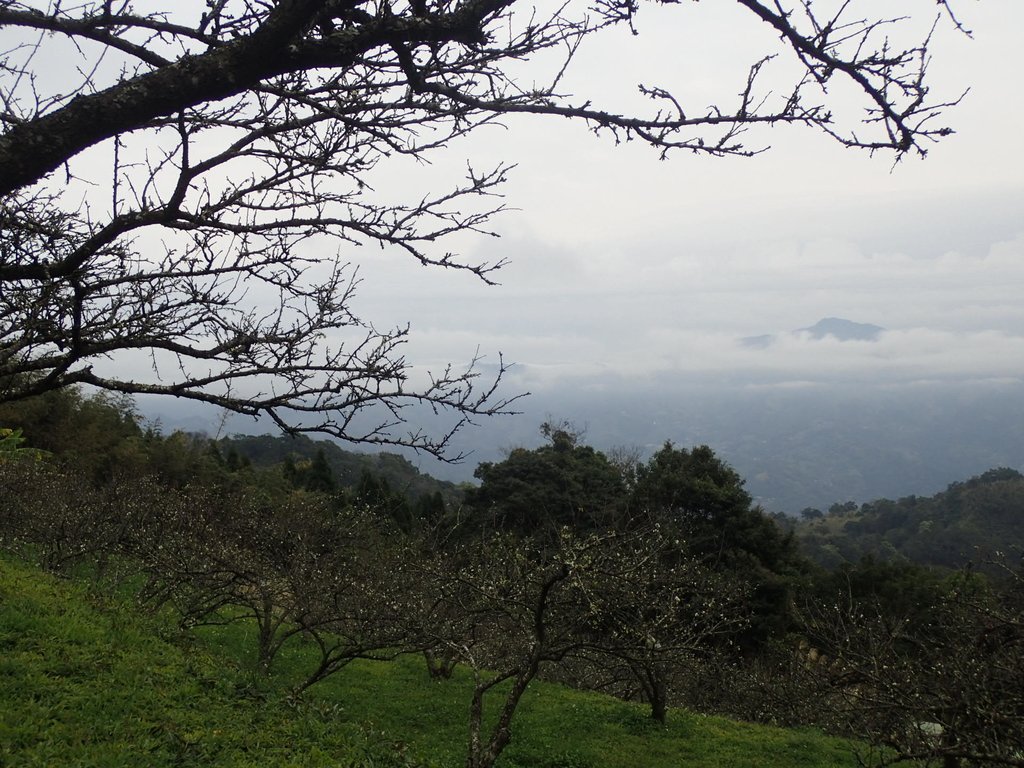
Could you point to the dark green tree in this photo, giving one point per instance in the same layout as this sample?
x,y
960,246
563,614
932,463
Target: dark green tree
x,y
701,497
562,483
304,474
235,461
430,508
89,432
319,477
374,492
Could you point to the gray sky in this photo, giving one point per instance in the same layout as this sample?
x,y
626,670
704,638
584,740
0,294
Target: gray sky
x,y
625,264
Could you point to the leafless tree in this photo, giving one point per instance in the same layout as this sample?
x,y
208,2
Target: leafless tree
x,y
505,608
61,518
510,609
293,567
185,184
222,557
942,691
358,601
655,615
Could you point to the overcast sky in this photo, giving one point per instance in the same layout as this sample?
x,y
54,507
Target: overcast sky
x,y
619,262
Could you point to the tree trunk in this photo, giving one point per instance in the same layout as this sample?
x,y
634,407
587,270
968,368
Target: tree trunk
x,y
949,741
484,756
265,622
440,667
659,698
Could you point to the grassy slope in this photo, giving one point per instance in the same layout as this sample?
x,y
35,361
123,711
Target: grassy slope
x,y
89,685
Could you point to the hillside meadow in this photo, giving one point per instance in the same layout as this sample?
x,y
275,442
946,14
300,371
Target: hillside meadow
x,y
88,680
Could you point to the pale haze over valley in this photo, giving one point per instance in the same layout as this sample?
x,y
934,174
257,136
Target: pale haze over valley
x,y
634,286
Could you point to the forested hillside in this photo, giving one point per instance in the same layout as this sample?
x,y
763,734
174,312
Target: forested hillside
x,y
970,522
347,467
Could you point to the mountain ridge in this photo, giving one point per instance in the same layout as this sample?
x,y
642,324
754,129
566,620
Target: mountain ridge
x,y
838,328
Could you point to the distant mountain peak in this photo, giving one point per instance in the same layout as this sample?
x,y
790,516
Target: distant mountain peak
x,y
838,328
843,330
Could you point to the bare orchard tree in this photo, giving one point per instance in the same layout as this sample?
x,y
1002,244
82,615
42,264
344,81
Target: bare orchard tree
x,y
292,566
655,615
511,609
943,691
505,608
59,517
183,185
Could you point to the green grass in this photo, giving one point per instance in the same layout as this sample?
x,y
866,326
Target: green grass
x,y
85,682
